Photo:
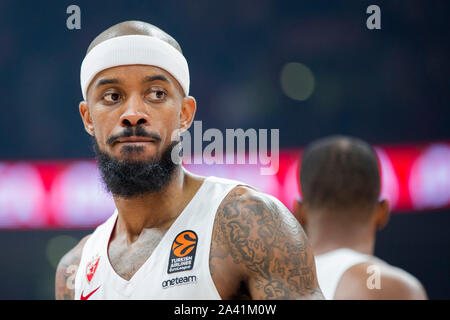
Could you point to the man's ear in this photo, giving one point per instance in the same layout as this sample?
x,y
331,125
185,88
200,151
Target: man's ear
x,y
188,108
86,117
300,213
382,214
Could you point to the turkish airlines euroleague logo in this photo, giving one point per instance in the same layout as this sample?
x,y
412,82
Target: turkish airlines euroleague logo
x,y
182,253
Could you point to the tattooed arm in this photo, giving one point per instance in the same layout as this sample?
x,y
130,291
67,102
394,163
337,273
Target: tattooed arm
x,y
259,245
66,271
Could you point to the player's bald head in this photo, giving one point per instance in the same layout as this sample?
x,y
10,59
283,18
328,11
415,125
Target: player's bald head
x,y
340,173
134,27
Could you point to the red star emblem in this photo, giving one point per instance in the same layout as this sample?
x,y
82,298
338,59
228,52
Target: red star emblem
x,y
91,268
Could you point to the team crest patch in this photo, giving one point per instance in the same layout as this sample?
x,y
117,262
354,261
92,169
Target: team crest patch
x,y
91,268
182,253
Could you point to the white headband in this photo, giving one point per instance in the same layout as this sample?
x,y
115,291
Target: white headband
x,y
134,49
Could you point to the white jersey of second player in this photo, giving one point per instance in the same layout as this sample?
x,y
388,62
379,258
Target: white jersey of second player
x,y
331,266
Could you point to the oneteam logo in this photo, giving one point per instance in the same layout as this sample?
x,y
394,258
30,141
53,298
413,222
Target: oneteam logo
x,y
177,281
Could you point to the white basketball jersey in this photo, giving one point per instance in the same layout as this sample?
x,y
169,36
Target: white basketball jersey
x,y
178,268
331,265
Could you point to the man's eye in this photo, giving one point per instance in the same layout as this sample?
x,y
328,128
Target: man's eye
x,y
156,95
111,97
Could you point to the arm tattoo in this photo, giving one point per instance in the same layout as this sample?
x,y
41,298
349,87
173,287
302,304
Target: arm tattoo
x,y
266,241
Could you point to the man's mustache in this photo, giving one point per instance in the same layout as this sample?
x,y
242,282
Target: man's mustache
x,y
133,132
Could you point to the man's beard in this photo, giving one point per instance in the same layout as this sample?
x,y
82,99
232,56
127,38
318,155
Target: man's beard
x,y
130,178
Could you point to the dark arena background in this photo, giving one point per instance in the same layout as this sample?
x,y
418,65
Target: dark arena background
x,y
307,68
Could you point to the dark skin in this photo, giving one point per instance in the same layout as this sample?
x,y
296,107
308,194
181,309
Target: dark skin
x,y
258,249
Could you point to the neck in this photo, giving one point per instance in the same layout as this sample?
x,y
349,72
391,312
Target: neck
x,y
325,235
156,209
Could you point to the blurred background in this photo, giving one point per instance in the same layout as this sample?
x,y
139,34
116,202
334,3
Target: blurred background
x,y
307,68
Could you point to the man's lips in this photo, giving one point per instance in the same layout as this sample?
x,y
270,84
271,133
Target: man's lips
x,y
135,140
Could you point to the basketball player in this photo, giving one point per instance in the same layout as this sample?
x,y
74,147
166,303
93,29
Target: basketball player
x,y
174,235
341,213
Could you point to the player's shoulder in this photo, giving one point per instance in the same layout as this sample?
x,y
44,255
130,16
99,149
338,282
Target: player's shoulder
x,y
400,284
73,256
255,239
378,280
66,268
256,216
254,201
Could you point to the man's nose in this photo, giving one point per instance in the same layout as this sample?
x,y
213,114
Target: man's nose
x,y
135,113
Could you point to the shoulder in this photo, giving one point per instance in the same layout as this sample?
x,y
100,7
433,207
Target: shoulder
x,y
66,271
264,245
253,203
377,280
73,256
247,213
